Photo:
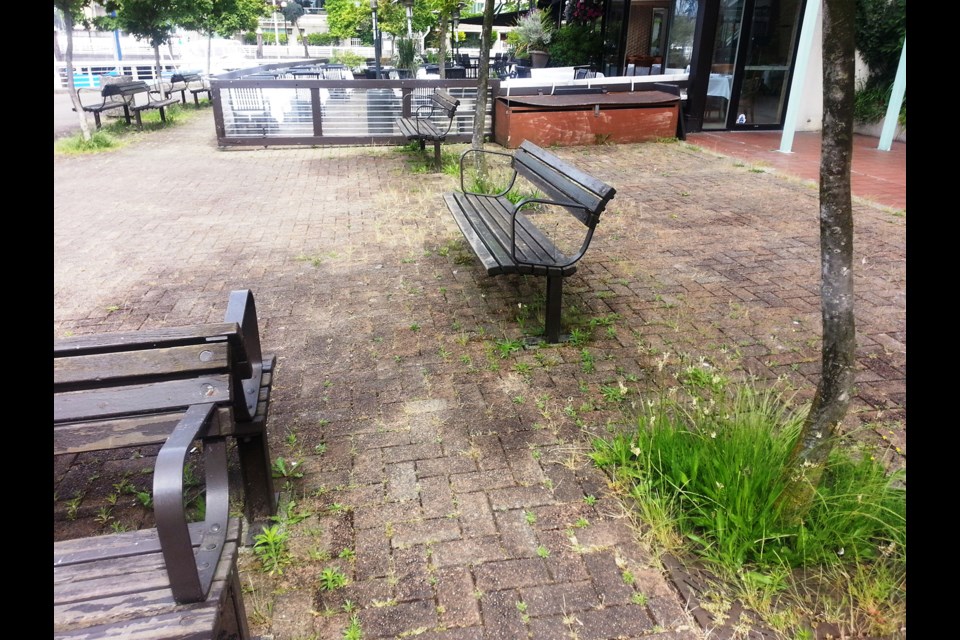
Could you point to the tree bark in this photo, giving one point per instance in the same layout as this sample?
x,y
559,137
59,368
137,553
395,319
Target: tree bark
x,y
442,49
71,85
838,352
483,76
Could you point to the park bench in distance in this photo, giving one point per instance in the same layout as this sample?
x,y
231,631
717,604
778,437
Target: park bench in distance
x,y
183,388
422,126
506,240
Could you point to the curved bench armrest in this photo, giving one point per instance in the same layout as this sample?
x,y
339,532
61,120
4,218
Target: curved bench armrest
x,y
191,573
568,205
463,156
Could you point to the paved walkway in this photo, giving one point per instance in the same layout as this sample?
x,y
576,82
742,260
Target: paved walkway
x,y
450,485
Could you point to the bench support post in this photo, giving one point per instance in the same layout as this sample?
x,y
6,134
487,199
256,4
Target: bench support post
x,y
260,499
436,154
554,298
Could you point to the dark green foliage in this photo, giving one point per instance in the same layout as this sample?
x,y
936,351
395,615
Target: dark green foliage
x,y
322,39
576,44
881,27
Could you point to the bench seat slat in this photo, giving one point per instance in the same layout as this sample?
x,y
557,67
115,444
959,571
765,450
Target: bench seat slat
x,y
90,602
533,247
103,435
485,223
72,406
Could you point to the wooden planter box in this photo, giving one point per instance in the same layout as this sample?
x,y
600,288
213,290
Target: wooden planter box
x,y
585,119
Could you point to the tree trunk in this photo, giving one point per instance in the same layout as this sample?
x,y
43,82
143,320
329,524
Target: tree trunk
x,y
158,73
71,85
210,49
442,49
57,54
838,357
303,39
483,76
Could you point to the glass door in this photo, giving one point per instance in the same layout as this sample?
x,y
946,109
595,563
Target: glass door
x,y
764,81
726,44
753,52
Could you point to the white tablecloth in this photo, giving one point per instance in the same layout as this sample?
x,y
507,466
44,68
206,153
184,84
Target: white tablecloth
x,y
720,85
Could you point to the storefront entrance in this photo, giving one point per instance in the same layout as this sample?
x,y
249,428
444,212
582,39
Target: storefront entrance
x,y
754,43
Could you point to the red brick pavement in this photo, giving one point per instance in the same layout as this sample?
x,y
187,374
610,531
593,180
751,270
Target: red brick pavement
x,y
453,476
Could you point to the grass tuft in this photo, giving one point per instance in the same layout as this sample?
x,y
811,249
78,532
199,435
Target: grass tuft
x,y
707,472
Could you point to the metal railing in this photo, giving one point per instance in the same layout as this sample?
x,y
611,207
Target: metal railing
x,y
296,111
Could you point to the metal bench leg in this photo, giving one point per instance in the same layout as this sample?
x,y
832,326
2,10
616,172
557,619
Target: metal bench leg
x,y
96,117
260,500
554,298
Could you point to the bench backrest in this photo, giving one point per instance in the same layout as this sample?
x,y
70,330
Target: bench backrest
x,y
113,375
445,103
125,89
185,77
563,182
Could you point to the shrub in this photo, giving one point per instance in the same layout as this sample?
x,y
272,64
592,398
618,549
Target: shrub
x,y
576,44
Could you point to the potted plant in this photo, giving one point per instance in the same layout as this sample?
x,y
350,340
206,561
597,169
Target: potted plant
x,y
532,35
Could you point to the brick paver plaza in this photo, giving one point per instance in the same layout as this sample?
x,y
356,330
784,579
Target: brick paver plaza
x,y
456,477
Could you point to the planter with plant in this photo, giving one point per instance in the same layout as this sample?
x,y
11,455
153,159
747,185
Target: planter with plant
x,y
532,36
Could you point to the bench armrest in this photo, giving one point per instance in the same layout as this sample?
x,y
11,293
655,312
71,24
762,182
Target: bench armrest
x,y
463,156
191,573
94,97
567,205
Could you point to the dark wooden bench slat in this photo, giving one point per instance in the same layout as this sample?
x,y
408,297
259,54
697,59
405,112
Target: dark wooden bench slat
x,y
114,433
147,339
532,246
110,368
91,404
92,601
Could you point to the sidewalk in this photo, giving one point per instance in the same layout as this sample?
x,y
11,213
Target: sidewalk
x,y
448,484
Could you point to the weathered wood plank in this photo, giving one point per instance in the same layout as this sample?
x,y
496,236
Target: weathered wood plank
x,y
142,398
147,339
90,602
102,369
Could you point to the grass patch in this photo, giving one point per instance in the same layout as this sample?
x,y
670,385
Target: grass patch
x,y
705,469
116,134
98,142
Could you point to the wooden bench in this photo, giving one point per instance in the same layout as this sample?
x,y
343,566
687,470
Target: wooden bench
x,y
107,98
192,82
158,98
183,388
423,125
507,240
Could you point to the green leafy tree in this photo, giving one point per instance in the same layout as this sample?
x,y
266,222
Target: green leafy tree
x,y
150,20
881,29
72,12
222,18
292,12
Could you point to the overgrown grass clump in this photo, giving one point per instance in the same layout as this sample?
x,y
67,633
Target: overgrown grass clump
x,y
706,467
76,145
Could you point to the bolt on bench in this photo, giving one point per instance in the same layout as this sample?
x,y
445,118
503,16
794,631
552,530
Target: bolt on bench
x,y
184,388
507,239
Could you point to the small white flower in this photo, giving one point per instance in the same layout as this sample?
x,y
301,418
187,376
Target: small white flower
x,y
713,434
